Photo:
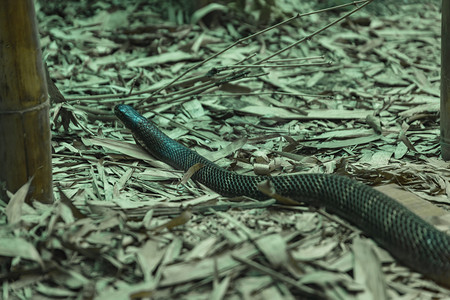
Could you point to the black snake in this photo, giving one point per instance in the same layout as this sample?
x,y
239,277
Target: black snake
x,y
413,241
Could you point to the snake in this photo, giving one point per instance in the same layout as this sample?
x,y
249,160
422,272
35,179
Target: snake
x,y
409,238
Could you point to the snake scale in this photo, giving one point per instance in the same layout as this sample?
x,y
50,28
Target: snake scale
x,y
406,236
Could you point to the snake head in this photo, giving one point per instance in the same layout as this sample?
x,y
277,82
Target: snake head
x,y
129,116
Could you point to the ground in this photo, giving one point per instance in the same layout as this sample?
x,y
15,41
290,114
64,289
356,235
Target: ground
x,y
359,99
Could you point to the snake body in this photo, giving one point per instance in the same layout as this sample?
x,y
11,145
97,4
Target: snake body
x,y
406,236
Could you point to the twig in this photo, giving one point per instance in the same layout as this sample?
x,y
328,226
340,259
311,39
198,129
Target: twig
x,y
240,41
314,33
328,63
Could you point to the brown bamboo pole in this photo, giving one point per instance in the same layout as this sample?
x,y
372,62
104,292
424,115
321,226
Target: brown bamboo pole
x,y
445,80
24,107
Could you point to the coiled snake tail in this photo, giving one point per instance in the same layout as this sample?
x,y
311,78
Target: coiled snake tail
x,y
406,236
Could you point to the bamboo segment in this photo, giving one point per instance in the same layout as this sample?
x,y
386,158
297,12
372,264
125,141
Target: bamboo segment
x,y
24,107
445,81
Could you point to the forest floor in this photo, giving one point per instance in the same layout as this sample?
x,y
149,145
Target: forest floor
x,y
359,99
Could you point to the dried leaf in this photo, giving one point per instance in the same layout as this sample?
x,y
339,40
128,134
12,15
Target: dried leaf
x,y
18,247
182,219
267,188
14,208
190,172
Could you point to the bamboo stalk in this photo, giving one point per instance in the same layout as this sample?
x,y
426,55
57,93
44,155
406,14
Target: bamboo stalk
x,y
445,80
24,107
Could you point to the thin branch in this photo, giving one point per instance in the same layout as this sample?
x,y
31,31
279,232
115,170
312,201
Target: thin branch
x,y
240,41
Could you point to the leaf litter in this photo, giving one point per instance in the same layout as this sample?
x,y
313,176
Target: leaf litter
x,y
360,98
